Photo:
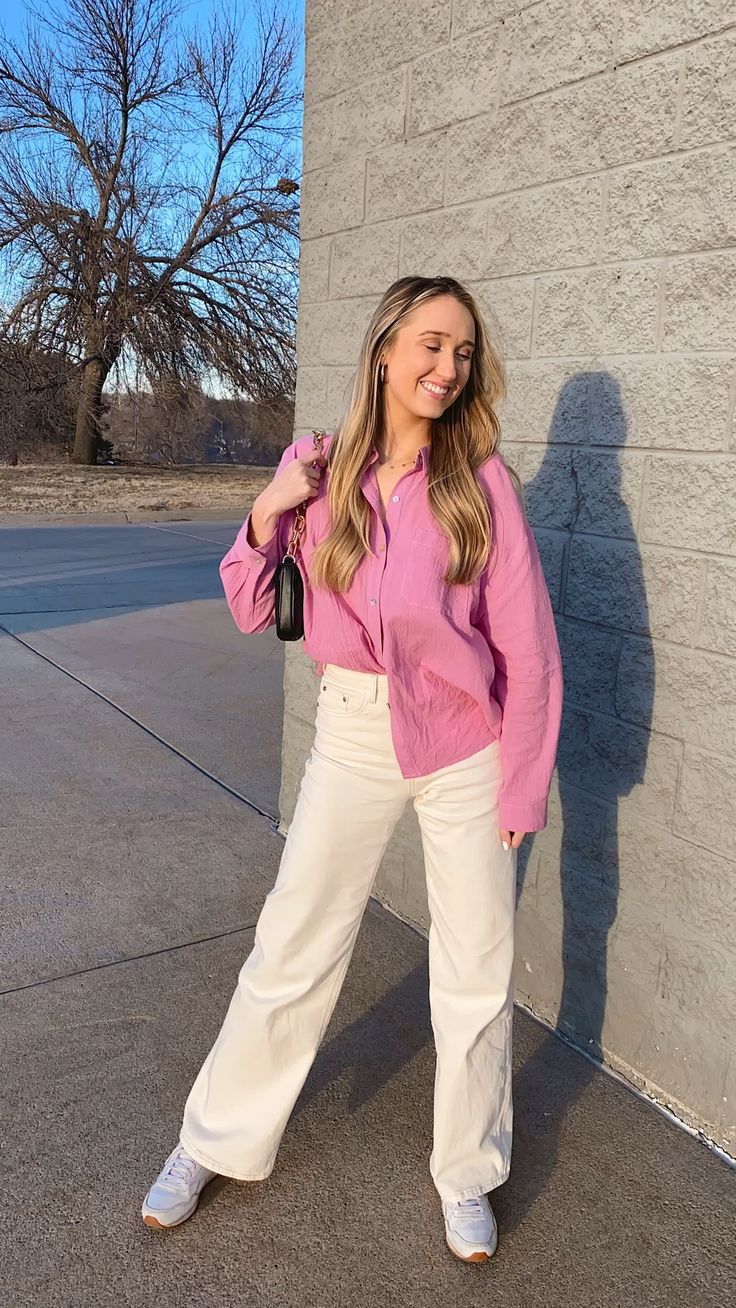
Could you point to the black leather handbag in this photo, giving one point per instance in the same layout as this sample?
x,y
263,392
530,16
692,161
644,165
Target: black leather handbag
x,y
288,580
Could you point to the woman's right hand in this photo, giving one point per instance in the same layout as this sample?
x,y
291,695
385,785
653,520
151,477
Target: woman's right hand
x,y
296,482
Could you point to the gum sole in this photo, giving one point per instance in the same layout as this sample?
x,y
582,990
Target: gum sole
x,y
150,1220
479,1257
474,1258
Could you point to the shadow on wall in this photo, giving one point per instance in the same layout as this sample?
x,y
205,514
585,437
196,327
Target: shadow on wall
x,y
600,598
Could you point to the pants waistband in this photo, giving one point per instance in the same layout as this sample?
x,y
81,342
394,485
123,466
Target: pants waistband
x,y
375,684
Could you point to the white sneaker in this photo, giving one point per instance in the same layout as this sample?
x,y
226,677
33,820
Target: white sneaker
x,y
175,1193
470,1228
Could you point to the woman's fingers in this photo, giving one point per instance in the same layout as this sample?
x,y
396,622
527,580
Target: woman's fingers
x,y
511,839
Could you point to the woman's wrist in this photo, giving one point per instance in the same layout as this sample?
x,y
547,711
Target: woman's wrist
x,y
263,522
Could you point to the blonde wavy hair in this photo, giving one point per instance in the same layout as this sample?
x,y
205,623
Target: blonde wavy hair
x,y
466,434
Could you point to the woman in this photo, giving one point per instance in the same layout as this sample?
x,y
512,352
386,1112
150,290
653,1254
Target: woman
x,y
427,615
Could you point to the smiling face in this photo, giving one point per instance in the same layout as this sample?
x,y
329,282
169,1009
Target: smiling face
x,y
429,362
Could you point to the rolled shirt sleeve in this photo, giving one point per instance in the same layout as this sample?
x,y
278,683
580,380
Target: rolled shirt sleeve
x,y
247,571
518,622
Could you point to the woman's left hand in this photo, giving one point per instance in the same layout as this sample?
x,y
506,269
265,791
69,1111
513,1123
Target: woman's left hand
x,y
512,839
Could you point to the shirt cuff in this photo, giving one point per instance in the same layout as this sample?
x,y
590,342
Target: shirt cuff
x,y
530,815
256,555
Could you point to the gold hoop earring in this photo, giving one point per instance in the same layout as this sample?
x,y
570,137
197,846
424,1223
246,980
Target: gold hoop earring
x,y
382,373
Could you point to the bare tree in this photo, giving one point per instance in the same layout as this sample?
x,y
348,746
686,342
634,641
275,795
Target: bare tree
x,y
148,201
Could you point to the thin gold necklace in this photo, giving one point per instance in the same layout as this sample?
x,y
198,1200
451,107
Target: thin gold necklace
x,y
402,463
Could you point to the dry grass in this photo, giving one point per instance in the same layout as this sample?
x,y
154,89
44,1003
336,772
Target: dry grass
x,y
69,488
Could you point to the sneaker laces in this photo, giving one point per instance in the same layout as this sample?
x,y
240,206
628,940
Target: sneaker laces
x,y
470,1207
181,1168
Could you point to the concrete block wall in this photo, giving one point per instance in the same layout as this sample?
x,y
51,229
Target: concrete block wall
x,y
575,162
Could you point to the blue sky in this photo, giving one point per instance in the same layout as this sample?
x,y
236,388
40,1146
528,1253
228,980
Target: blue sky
x,y
14,12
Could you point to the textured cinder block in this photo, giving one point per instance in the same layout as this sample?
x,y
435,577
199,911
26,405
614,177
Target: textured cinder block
x,y
369,116
538,965
497,152
718,623
406,178
709,95
444,240
613,119
552,227
318,138
614,310
645,28
569,898
364,261
339,388
402,33
691,503
332,198
576,826
677,204
301,687
549,45
331,333
706,801
700,302
341,54
610,758
314,269
690,973
548,402
311,396
678,1059
527,872
632,402
549,487
686,693
608,490
660,402
507,307
650,592
551,546
469,15
676,881
590,664
453,83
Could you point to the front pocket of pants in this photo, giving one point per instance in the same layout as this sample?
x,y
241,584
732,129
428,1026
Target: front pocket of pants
x,y
341,701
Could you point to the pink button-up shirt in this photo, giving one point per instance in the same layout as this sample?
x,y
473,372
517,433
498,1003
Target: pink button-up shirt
x,y
465,664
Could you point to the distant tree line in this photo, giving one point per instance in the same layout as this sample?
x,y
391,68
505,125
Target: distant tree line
x,y
38,406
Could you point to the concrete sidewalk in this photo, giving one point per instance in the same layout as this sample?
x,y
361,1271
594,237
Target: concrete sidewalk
x,y
140,765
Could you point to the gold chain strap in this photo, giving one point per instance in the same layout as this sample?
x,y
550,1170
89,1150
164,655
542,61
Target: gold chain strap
x,y
300,519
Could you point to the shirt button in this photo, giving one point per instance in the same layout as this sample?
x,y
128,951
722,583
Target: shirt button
x,y
381,547
395,498
373,601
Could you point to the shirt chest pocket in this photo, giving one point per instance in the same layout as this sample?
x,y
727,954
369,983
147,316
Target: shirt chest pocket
x,y
316,530
422,584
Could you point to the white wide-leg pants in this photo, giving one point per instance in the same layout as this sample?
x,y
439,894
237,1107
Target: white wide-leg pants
x,y
351,797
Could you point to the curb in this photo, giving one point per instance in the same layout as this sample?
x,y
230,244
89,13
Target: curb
x,y
120,517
